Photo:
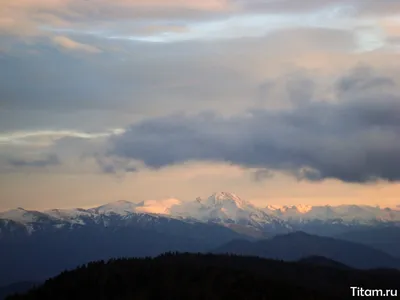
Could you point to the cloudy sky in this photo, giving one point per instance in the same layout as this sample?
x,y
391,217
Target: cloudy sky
x,y
278,101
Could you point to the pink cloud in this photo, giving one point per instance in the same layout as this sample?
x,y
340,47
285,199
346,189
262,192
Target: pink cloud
x,y
71,45
25,17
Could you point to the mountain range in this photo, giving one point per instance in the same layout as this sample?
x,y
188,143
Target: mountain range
x,y
298,245
221,208
38,244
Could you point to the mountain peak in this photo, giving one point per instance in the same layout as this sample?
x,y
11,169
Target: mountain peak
x,y
69,214
224,194
18,210
20,215
121,207
300,208
225,197
303,208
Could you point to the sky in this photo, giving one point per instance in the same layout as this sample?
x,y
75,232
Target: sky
x,y
278,101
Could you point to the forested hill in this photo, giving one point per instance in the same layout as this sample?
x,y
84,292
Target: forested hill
x,y
199,276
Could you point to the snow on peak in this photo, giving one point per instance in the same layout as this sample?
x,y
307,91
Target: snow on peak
x,y
72,215
223,198
273,207
120,207
221,206
21,215
13,213
301,208
67,212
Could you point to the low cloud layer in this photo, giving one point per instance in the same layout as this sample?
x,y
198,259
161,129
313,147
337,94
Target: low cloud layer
x,y
355,140
49,160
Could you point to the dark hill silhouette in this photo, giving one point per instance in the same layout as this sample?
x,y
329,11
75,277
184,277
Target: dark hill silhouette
x,y
47,253
297,245
323,261
18,287
199,276
386,239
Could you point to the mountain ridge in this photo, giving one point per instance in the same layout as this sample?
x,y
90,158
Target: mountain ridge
x,y
221,207
296,246
63,238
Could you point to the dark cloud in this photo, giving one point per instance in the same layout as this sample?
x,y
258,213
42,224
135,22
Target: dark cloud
x,y
356,140
106,167
50,160
115,166
131,169
262,174
300,88
363,78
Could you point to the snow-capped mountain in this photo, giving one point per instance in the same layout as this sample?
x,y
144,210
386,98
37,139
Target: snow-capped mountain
x,y
227,208
64,238
73,216
46,243
299,209
221,208
346,213
23,216
120,207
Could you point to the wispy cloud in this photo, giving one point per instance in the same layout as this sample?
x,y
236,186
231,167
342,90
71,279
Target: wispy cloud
x,y
71,45
212,19
47,137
